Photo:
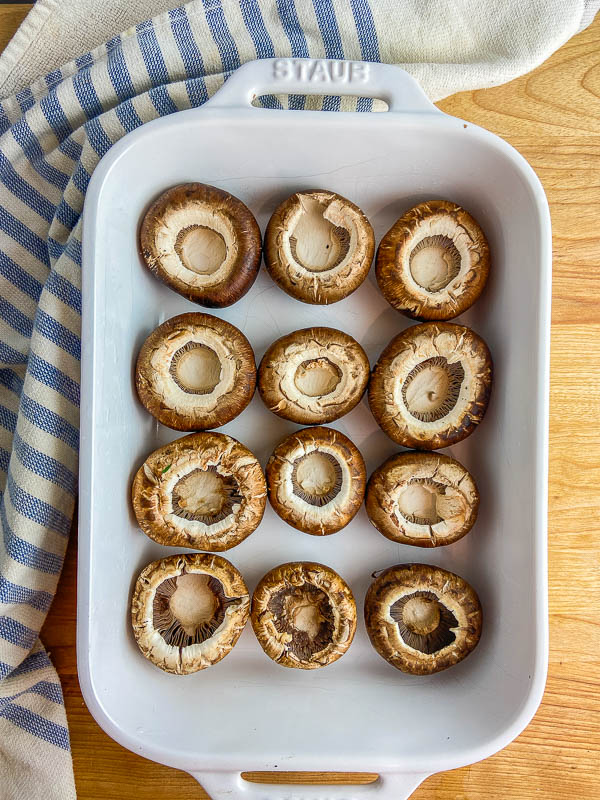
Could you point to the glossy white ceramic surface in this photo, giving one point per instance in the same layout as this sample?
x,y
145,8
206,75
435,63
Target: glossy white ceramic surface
x,y
248,713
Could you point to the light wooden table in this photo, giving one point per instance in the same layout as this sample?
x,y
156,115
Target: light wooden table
x,y
553,117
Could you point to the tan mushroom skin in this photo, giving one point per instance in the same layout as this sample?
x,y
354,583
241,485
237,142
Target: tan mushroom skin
x,y
204,491
422,499
316,480
188,611
303,615
434,261
431,385
313,376
195,371
422,619
318,247
202,242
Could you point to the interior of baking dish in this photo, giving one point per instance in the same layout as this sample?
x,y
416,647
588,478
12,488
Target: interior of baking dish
x,y
358,713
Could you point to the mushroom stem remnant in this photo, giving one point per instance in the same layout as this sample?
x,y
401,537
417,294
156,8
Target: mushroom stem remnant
x,y
203,243
422,619
205,491
306,616
317,377
434,261
316,480
188,611
303,615
195,371
423,499
200,249
314,375
316,243
318,247
206,496
424,623
431,389
431,385
196,368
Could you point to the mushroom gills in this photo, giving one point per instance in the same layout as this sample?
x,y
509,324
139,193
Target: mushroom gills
x,y
316,243
204,495
196,368
434,262
306,616
432,388
190,608
424,623
317,478
317,377
200,249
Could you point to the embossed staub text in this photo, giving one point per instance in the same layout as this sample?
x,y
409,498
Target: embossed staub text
x,y
319,70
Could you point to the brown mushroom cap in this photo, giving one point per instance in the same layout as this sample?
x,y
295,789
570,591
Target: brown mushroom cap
x,y
422,619
431,385
188,611
204,491
423,499
433,262
316,480
318,247
195,371
314,375
202,242
303,615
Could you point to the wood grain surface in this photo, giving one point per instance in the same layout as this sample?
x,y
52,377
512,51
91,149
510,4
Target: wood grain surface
x,y
11,16
552,116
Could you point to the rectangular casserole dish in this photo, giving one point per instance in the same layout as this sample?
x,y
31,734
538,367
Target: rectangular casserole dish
x,y
247,713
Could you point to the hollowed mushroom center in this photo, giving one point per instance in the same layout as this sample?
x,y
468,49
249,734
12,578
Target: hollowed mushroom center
x,y
418,500
189,608
306,615
424,623
434,262
196,368
317,377
315,242
317,478
205,495
201,249
432,388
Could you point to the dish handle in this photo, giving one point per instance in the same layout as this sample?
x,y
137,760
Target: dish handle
x,y
227,785
321,76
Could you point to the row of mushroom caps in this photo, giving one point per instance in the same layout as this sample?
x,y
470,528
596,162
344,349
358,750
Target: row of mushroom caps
x,y
189,610
206,244
207,491
429,389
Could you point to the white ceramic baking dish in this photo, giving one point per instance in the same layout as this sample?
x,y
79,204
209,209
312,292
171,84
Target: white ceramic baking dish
x,y
247,713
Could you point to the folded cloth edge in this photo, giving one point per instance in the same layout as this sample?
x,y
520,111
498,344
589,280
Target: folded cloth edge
x,y
580,13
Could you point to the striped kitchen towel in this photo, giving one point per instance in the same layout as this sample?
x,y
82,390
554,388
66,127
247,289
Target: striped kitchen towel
x,y
52,135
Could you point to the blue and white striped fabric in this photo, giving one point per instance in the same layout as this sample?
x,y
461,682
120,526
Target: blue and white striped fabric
x,y
52,136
